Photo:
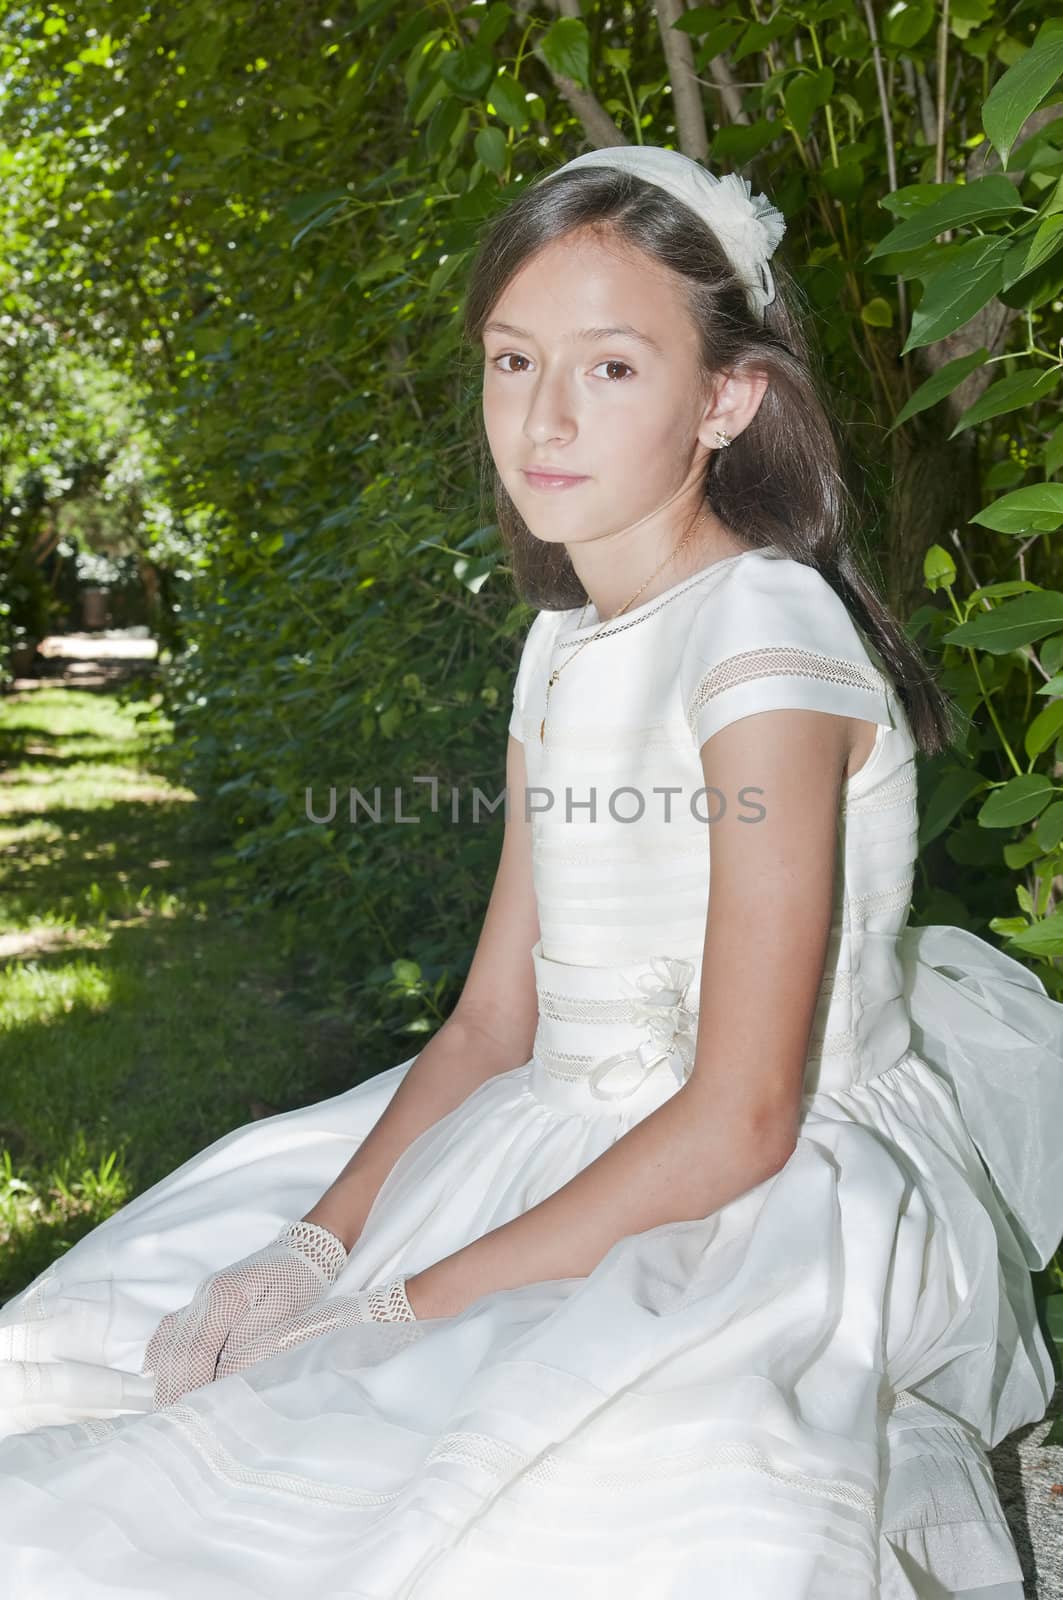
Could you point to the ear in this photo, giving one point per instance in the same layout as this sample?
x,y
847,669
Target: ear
x,y
735,400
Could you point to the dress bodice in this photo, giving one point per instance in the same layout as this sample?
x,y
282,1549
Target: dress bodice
x,y
621,820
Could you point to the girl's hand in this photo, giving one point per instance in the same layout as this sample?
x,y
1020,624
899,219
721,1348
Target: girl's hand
x,y
246,1300
382,1303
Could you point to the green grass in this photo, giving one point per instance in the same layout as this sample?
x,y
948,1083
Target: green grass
x,y
138,1021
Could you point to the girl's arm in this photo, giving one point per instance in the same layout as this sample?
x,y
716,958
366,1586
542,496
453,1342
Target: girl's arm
x,y
735,1122
490,1030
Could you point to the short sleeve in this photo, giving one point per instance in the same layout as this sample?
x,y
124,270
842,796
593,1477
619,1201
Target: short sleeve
x,y
526,668
774,635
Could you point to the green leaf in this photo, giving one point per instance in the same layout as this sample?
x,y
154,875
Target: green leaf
x,y
491,27
1017,801
1022,88
490,145
442,275
1038,287
705,19
846,181
906,23
804,95
963,202
1017,853
877,313
308,205
474,573
1036,509
506,99
953,295
1044,938
939,569
1052,657
1008,627
443,125
852,106
427,97
1004,474
1052,455
947,378
1029,254
739,144
760,34
1043,143
1043,729
912,197
1021,388
319,221
971,846
999,591
965,16
565,47
467,71
922,263
717,38
946,800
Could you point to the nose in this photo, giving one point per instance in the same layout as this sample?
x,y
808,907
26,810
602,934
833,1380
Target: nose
x,y
549,414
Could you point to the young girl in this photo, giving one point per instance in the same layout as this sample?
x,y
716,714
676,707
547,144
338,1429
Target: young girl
x,y
691,1255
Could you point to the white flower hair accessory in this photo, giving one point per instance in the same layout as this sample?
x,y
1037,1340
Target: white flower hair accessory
x,y
748,226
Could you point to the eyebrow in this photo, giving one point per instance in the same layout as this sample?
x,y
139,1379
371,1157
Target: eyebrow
x,y
623,330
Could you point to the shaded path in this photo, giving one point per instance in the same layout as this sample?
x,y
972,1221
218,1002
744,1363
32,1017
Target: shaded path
x,y
91,660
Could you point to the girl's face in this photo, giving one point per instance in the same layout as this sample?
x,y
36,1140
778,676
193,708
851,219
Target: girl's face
x,y
591,367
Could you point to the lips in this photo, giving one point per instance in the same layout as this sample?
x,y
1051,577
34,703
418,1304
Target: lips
x,y
553,475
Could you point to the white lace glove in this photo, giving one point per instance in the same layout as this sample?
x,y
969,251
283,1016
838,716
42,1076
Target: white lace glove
x,y
244,1299
381,1303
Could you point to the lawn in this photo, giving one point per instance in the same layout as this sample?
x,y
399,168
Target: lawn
x,y
138,1019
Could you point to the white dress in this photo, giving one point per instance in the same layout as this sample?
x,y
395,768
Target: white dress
x,y
790,1399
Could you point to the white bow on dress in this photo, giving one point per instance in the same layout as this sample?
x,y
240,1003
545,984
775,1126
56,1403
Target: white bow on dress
x,y
658,1004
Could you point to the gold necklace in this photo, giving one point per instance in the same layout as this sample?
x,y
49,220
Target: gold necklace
x,y
558,670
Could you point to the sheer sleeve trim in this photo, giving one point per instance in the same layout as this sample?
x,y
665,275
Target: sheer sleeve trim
x,y
774,635
774,677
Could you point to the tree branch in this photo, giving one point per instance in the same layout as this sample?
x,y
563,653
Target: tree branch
x,y
891,152
919,90
686,94
723,79
596,122
943,67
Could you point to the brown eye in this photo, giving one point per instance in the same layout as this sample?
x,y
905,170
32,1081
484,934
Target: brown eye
x,y
615,362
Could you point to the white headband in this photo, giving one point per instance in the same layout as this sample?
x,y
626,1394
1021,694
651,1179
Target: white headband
x,y
748,227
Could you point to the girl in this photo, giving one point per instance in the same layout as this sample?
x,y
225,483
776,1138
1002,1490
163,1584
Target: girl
x,y
691,1255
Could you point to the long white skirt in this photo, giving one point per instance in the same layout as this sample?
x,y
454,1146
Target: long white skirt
x,y
790,1399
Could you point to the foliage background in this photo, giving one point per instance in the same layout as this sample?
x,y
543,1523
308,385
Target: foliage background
x,y
232,258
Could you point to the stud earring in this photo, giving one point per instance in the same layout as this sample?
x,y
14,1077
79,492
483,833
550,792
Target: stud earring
x,y
722,439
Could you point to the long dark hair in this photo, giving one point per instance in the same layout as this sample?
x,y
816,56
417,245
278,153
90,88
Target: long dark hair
x,y
781,482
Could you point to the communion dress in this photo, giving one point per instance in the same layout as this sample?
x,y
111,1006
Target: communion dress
x,y
789,1399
